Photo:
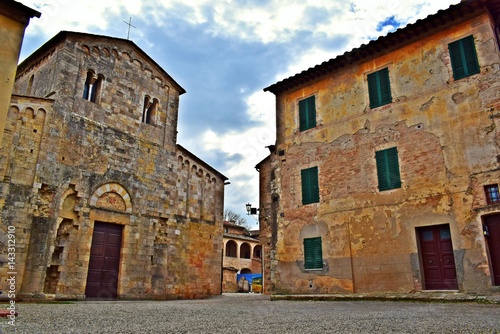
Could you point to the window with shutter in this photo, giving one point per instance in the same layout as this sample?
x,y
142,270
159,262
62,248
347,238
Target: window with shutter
x,y
379,88
388,169
310,188
463,57
313,253
307,113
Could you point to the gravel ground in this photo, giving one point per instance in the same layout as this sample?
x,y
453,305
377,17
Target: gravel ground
x,y
247,313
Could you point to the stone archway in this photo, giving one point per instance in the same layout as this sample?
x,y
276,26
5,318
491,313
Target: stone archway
x,y
112,205
111,196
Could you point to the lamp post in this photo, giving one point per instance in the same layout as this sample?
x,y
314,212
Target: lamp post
x,y
250,210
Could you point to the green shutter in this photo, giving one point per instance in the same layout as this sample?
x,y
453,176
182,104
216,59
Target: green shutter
x,y
388,169
310,188
307,113
379,88
313,253
463,58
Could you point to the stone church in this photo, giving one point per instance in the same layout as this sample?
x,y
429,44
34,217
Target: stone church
x,y
101,200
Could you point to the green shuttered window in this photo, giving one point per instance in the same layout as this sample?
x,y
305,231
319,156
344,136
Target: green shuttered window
x,y
379,88
307,113
388,169
310,188
463,57
313,254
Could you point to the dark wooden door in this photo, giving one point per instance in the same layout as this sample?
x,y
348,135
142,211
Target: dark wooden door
x,y
492,226
104,264
436,252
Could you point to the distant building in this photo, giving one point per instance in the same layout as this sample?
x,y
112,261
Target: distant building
x,y
14,18
242,255
385,172
103,201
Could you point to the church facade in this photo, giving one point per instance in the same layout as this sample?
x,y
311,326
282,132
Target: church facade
x,y
101,200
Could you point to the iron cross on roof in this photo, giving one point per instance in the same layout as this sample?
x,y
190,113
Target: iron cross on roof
x,y
129,23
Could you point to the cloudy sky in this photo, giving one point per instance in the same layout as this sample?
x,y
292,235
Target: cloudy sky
x,y
224,52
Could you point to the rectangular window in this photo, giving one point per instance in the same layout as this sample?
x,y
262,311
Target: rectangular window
x,y
492,195
388,169
463,57
307,113
379,88
313,254
310,188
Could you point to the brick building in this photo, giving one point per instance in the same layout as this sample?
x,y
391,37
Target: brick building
x,y
384,176
242,254
103,201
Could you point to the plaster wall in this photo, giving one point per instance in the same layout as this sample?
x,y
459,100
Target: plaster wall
x,y
445,134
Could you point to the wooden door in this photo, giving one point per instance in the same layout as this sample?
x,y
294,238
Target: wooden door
x,y
492,228
436,253
104,264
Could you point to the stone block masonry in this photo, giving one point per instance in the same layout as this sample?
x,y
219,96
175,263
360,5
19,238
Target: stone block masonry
x,y
91,140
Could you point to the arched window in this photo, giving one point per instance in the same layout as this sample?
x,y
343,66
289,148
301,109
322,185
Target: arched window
x,y
149,110
231,248
245,251
257,252
92,87
96,89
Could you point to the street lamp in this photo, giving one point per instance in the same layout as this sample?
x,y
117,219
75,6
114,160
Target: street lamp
x,y
250,210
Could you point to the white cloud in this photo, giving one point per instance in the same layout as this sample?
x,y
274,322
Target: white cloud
x,y
249,145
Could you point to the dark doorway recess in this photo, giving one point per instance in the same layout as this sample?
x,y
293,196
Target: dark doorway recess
x,y
104,264
492,234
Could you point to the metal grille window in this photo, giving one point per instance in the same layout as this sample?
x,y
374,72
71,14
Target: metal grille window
x,y
492,195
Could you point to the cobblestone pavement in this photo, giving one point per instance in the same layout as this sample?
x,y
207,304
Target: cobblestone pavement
x,y
252,313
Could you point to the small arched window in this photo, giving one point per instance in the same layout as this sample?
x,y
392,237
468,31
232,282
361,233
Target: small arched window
x,y
149,110
92,87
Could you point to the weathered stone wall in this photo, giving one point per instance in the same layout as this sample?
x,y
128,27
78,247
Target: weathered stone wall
x,y
445,133
67,163
60,73
14,17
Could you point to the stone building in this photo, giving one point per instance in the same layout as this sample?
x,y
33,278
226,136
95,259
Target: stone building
x,y
385,171
242,255
14,18
103,201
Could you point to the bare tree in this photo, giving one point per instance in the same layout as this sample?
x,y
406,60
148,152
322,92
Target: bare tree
x,y
234,217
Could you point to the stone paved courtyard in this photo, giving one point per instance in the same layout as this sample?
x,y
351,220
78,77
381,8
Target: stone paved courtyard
x,y
252,313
